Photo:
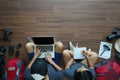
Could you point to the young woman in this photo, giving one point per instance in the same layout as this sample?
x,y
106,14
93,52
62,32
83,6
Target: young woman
x,y
80,70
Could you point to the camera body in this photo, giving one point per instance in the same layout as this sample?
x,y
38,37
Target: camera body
x,y
7,34
2,50
115,34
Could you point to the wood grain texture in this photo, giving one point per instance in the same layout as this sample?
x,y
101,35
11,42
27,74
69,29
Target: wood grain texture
x,y
84,21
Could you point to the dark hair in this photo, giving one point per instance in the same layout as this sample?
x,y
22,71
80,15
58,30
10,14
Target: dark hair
x,y
39,67
85,75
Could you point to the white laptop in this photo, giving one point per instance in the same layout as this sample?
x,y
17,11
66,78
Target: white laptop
x,y
46,44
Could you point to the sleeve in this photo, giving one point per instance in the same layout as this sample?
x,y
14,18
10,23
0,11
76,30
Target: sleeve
x,y
93,73
27,74
61,74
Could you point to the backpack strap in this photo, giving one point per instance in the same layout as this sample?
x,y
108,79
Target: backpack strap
x,y
17,77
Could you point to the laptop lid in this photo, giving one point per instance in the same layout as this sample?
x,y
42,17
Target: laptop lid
x,y
43,40
44,43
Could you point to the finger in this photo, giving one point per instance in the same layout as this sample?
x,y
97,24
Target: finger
x,y
48,52
37,48
89,50
83,51
41,49
46,56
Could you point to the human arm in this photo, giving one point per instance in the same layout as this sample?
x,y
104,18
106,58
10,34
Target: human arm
x,y
49,59
91,57
71,61
34,58
27,72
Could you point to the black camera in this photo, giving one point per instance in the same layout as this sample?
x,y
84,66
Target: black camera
x,y
2,50
7,33
115,34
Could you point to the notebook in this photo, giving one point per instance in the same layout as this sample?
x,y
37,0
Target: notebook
x,y
77,51
46,44
105,50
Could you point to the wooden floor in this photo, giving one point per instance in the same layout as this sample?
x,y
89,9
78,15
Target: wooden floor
x,y
87,22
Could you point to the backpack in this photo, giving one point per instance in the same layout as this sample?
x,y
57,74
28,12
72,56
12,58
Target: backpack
x,y
15,69
109,70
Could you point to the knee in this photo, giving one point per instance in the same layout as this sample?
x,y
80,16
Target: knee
x,y
66,52
59,47
94,55
28,45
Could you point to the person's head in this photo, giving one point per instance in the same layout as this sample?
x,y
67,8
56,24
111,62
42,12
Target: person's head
x,y
83,73
39,69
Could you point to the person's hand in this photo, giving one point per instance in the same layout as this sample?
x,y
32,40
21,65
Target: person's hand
x,y
88,53
38,52
35,57
91,57
48,57
85,53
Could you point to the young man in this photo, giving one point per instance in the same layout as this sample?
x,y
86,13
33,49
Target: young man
x,y
80,71
55,72
36,69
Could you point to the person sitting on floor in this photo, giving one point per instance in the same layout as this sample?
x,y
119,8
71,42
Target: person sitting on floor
x,y
80,70
36,69
55,72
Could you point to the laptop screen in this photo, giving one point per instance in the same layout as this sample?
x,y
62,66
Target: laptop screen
x,y
43,40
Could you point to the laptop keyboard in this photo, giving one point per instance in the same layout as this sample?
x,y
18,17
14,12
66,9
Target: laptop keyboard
x,y
46,48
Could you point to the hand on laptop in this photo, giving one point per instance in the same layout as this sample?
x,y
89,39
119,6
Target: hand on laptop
x,y
48,57
38,52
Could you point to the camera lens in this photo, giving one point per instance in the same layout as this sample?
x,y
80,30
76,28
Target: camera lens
x,y
111,37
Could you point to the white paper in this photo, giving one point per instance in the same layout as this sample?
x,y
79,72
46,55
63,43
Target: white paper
x,y
105,53
77,52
